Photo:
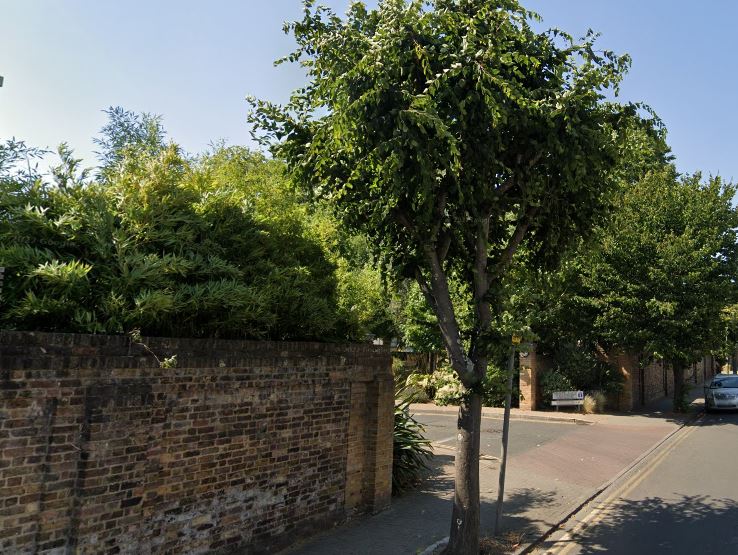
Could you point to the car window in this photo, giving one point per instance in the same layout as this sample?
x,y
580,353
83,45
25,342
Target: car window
x,y
725,382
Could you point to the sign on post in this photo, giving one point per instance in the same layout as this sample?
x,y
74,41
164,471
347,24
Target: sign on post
x,y
567,399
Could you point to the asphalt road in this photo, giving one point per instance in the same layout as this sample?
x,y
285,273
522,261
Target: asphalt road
x,y
526,434
553,465
684,501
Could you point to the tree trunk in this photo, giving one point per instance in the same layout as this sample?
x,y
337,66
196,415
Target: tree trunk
x,y
464,536
680,394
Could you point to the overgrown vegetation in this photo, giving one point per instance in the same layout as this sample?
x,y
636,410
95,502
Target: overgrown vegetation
x,y
443,386
217,245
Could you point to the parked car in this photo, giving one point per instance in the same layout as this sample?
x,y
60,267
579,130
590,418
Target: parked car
x,y
721,393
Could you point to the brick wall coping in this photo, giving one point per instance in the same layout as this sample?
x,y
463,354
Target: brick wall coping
x,y
59,351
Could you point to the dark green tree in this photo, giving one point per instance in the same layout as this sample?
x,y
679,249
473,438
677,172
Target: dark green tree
x,y
555,298
663,270
451,132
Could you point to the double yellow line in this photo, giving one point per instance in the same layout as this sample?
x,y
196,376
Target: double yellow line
x,y
600,512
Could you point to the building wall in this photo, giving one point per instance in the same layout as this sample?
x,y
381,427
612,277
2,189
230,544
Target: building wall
x,y
248,445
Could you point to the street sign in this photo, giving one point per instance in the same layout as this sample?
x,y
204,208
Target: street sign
x,y
567,398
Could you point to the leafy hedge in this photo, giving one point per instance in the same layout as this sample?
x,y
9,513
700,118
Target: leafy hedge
x,y
218,245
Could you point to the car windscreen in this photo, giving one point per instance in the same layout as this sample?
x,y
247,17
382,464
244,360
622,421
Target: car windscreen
x,y
725,382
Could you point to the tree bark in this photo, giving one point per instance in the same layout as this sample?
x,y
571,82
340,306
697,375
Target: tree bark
x,y
680,401
439,297
464,536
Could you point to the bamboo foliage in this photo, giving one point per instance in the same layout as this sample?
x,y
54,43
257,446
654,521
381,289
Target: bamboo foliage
x,y
219,245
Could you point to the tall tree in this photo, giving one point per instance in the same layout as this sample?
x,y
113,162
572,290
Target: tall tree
x,y
663,269
450,132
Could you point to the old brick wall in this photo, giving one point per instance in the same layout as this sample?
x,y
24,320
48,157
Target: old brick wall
x,y
245,445
658,382
640,386
532,366
654,381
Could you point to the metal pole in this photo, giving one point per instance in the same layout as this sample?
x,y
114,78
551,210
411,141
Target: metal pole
x,y
505,433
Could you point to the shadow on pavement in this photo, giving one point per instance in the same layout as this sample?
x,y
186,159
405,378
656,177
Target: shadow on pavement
x,y
420,518
518,508
679,525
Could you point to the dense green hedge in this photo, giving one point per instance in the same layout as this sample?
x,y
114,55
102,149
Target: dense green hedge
x,y
218,245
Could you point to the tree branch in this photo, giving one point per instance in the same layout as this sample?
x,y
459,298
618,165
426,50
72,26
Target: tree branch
x,y
426,290
438,215
443,245
533,161
509,183
482,308
506,185
402,219
514,242
439,297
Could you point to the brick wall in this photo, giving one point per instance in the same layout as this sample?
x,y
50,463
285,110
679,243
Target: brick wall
x,y
647,384
655,381
244,446
532,366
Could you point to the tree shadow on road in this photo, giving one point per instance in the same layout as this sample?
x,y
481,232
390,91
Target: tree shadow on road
x,y
720,418
518,519
686,524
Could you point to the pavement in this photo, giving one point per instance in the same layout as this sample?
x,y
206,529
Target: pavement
x,y
557,462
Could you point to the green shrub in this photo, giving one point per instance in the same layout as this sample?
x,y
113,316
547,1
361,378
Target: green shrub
x,y
495,388
214,246
411,452
444,387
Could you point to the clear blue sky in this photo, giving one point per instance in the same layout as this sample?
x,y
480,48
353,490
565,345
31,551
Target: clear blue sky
x,y
194,62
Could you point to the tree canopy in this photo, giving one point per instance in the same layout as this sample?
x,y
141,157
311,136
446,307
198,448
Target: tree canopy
x,y
663,269
657,272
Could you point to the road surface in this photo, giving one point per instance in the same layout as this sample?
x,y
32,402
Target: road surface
x,y
683,501
552,467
